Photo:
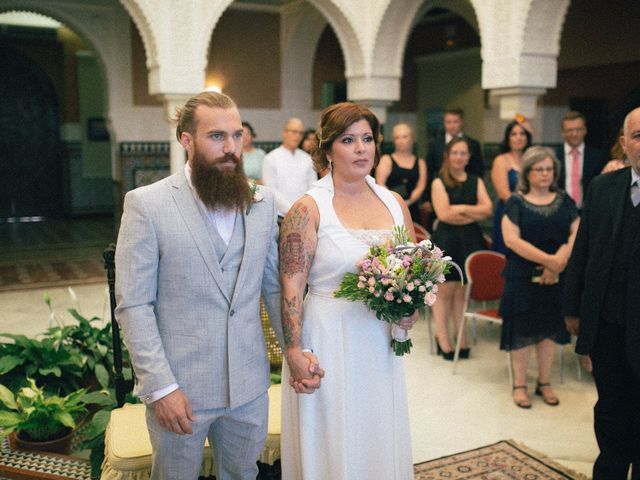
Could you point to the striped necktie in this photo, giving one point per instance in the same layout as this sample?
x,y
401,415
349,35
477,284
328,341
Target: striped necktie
x,y
635,193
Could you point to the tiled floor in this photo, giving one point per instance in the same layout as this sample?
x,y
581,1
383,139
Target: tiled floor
x,y
449,413
53,252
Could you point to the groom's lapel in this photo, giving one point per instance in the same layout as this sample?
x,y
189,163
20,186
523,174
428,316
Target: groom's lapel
x,y
251,223
196,225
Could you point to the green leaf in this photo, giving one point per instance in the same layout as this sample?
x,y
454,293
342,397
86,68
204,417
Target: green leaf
x,y
55,370
97,398
9,362
102,375
98,424
65,418
9,419
7,397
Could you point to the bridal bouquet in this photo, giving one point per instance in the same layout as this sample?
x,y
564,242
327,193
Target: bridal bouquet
x,y
396,279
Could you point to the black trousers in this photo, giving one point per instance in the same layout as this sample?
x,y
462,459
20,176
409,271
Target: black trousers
x,y
617,412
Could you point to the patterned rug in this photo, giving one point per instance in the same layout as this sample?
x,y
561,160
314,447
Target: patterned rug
x,y
23,464
503,460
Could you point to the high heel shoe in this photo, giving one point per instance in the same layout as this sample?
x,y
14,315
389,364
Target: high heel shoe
x,y
446,355
548,399
526,404
464,352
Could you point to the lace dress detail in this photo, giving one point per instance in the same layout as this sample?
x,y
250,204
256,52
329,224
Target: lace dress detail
x,y
371,237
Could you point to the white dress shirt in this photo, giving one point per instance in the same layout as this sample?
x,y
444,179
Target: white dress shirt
x,y
289,175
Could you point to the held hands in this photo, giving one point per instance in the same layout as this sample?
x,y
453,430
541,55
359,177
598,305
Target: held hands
x,y
306,373
174,413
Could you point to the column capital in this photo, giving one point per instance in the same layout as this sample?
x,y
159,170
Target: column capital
x,y
517,100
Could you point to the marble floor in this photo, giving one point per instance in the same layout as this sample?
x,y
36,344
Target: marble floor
x,y
449,413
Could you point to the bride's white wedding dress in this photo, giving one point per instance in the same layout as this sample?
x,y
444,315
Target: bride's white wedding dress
x,y
356,426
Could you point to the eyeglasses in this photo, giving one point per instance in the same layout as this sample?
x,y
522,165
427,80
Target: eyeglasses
x,y
297,132
542,169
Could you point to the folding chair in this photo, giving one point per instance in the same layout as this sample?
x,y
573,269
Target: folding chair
x,y
484,284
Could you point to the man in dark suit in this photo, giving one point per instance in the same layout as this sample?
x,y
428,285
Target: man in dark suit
x,y
602,306
453,123
579,163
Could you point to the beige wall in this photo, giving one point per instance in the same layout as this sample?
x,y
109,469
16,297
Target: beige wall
x,y
594,30
248,74
451,79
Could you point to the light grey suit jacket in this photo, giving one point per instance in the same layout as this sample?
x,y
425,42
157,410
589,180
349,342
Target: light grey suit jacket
x,y
178,323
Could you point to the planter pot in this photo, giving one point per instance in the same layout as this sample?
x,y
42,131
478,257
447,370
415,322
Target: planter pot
x,y
58,445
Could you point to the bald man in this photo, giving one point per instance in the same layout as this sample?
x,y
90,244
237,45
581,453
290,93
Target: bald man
x,y
287,169
602,306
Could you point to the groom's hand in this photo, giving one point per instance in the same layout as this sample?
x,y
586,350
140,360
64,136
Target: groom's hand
x,y
306,373
174,413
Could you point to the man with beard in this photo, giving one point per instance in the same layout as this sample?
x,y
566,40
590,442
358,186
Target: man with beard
x,y
195,252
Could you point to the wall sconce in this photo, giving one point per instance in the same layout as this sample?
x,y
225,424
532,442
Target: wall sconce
x,y
213,88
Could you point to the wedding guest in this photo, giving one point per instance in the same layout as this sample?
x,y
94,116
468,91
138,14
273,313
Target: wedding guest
x,y
287,170
402,171
460,200
539,226
618,158
453,127
579,162
602,307
252,157
308,140
504,174
356,425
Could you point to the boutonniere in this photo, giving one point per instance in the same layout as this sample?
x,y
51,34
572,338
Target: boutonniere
x,y
254,195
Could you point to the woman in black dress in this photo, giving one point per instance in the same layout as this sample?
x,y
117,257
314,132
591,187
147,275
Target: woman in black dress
x,y
539,226
460,200
402,171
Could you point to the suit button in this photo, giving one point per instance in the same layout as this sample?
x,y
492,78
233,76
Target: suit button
x,y
231,313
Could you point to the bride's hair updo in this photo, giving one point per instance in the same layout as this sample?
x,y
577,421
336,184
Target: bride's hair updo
x,y
334,120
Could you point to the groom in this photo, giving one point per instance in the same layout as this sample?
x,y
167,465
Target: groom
x,y
195,252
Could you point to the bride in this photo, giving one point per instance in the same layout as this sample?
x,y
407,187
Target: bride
x,y
356,425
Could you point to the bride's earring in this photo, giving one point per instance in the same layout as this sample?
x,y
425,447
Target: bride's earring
x,y
330,166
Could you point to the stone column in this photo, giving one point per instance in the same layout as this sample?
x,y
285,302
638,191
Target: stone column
x,y
177,155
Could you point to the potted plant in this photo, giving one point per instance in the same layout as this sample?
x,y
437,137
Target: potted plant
x,y
41,421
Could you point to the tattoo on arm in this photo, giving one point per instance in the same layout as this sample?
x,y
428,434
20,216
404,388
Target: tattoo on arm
x,y
296,246
292,320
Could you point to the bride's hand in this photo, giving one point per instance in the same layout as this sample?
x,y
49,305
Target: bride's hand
x,y
407,322
306,373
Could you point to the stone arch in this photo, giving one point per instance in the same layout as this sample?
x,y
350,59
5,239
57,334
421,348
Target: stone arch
x,y
141,20
299,45
543,27
80,26
350,41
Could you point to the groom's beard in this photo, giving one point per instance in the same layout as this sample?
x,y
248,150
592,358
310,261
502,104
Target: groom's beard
x,y
220,188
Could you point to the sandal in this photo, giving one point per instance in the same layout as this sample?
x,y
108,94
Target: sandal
x,y
522,403
548,399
